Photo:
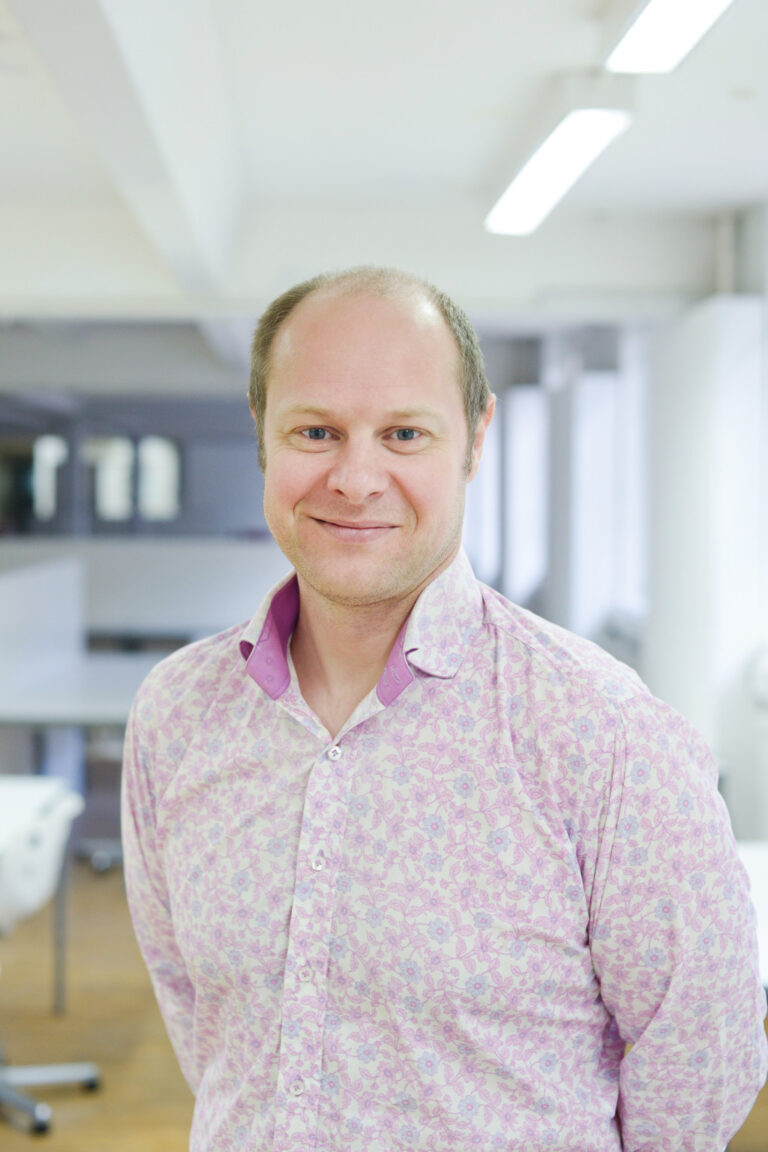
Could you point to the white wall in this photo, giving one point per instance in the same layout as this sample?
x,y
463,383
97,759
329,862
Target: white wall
x,y
707,533
597,472
594,498
526,492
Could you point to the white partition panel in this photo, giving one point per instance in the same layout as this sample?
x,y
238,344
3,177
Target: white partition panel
x,y
41,629
42,610
185,587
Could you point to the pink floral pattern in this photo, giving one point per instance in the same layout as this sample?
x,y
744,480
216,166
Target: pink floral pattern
x,y
440,930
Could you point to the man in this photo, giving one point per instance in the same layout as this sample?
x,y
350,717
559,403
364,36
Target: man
x,y
409,866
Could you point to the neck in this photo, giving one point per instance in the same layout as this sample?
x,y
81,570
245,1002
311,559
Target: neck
x,y
340,652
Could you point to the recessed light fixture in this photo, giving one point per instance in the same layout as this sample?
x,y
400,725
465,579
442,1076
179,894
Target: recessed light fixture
x,y
658,34
589,114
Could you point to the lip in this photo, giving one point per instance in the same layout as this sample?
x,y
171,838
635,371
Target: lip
x,y
357,531
355,523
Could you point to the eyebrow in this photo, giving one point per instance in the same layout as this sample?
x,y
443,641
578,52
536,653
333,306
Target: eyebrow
x,y
399,415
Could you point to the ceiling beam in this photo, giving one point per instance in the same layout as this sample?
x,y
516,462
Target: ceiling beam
x,y
60,265
145,82
229,338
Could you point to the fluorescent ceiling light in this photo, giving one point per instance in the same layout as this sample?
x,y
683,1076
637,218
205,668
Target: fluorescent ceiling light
x,y
664,33
555,167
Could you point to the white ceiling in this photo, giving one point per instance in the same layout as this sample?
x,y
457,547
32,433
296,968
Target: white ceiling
x,y
163,159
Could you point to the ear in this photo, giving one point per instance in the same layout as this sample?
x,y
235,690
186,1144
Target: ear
x,y
479,440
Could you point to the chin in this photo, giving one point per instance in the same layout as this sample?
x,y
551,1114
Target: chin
x,y
344,586
352,593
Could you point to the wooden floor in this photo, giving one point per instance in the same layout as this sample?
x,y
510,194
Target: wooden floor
x,y
144,1104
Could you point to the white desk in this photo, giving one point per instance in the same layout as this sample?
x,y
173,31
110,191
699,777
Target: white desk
x,y
61,697
58,699
754,857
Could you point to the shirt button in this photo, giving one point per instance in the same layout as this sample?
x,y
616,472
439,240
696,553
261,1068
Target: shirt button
x,y
334,753
318,862
297,1088
305,973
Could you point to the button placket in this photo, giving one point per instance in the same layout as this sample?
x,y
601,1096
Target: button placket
x,y
305,993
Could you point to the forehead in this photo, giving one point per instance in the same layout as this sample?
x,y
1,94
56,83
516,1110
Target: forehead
x,y
372,341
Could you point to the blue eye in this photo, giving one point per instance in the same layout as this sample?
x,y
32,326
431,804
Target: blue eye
x,y
406,434
316,433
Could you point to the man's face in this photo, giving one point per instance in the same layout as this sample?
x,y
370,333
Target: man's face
x,y
366,443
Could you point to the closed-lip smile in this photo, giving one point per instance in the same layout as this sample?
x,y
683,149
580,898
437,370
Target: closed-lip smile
x,y
355,531
359,524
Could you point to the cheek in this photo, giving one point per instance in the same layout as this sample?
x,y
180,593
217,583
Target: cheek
x,y
439,494
277,488
286,482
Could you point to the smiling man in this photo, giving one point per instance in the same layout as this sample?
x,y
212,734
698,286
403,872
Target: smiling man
x,y
367,456
409,866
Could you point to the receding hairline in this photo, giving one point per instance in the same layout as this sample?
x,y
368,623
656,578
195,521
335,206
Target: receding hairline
x,y
385,284
363,280
377,281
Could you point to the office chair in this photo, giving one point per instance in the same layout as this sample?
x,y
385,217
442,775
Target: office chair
x,y
36,814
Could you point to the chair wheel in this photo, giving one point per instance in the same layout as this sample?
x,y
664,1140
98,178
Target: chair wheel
x,y
41,1119
92,1085
101,861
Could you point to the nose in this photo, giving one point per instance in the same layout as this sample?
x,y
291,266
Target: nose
x,y
357,473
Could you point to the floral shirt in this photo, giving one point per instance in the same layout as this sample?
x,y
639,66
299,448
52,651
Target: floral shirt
x,y
441,930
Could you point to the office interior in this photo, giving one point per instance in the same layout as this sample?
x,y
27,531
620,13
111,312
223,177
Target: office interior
x,y
166,169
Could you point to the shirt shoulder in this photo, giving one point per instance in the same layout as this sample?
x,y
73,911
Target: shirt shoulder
x,y
582,690
174,703
193,674
559,658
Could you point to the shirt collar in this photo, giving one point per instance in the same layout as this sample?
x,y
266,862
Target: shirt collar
x,y
264,644
434,638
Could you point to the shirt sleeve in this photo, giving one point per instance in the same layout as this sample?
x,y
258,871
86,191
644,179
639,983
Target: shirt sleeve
x,y
148,898
673,941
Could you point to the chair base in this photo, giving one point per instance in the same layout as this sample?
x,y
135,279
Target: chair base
x,y
103,852
38,1076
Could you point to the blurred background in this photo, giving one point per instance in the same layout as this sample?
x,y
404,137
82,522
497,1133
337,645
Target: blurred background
x,y
168,167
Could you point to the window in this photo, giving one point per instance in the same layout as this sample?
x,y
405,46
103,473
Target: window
x,y
128,479
112,459
159,479
48,454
